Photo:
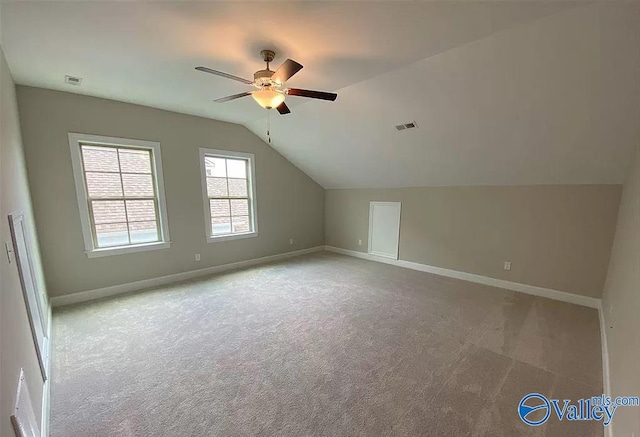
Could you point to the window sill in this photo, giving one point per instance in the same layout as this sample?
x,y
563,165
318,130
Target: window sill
x,y
231,237
96,253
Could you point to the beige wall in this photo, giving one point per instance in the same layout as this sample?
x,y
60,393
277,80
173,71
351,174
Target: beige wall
x,y
290,204
621,305
17,348
557,237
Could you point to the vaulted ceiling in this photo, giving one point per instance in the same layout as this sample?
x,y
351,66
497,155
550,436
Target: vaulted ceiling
x,y
509,92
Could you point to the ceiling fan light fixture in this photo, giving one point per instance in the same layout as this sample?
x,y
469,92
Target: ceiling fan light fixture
x,y
269,85
268,98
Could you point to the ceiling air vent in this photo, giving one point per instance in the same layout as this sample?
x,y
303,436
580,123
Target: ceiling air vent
x,y
71,80
410,125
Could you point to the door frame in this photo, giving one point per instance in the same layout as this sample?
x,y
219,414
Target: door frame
x,y
372,206
37,311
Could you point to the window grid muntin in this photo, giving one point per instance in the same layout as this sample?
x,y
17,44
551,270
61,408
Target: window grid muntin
x,y
123,198
248,198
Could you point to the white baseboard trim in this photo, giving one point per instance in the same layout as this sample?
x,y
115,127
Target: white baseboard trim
x,y
606,378
85,296
46,389
563,296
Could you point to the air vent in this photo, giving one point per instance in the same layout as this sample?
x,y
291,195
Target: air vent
x,y
71,80
409,125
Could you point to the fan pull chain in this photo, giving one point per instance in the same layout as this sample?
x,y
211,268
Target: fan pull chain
x,y
269,126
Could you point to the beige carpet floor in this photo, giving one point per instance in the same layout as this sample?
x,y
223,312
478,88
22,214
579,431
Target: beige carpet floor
x,y
320,345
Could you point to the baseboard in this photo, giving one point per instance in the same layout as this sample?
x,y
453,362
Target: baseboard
x,y
606,378
46,389
563,296
85,296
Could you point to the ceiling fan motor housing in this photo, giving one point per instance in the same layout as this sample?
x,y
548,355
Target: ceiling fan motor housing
x,y
263,77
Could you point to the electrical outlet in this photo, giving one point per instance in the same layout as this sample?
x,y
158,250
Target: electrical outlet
x,y
197,257
291,241
507,265
359,242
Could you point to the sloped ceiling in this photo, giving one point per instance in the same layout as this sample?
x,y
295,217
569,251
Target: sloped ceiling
x,y
503,92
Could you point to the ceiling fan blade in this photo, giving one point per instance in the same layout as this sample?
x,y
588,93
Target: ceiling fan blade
x,y
222,74
312,94
233,97
283,109
286,71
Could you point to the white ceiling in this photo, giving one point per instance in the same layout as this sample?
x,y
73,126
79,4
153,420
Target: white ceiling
x,y
508,92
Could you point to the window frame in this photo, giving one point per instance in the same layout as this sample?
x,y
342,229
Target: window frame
x,y
76,140
251,192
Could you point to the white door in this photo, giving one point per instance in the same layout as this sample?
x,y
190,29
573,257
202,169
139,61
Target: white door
x,y
384,228
32,295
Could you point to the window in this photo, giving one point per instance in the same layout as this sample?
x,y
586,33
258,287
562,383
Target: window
x,y
120,194
229,194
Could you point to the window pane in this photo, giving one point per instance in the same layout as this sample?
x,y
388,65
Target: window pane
x,y
217,187
135,161
239,207
101,185
114,234
143,232
137,185
237,168
237,187
219,208
214,167
99,158
220,225
108,211
240,224
141,211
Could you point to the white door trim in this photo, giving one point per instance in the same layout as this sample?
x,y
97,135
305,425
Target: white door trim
x,y
372,206
36,309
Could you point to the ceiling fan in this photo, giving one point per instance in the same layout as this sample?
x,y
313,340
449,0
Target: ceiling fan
x,y
270,91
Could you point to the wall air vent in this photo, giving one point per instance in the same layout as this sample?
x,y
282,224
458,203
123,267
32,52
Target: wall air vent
x,y
71,80
409,125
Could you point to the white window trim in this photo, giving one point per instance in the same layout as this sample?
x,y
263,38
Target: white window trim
x,y
75,140
205,197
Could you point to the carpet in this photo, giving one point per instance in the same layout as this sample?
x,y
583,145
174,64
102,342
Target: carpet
x,y
320,345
